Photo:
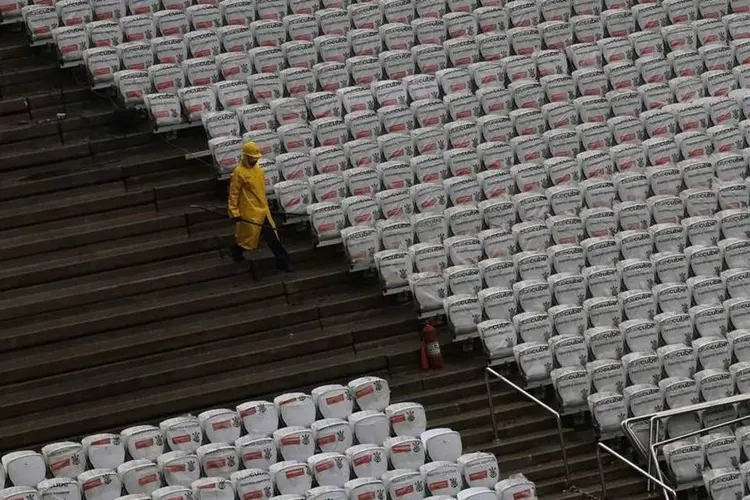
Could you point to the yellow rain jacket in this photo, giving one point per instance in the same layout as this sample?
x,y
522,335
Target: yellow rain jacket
x,y
247,199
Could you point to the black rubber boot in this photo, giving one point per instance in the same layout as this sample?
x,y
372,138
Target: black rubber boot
x,y
287,268
237,253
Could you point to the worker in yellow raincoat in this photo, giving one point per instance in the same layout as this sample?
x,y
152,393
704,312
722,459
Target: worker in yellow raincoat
x,y
248,208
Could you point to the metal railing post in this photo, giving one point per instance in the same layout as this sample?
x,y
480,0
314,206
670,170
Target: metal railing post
x,y
527,395
491,403
601,446
601,471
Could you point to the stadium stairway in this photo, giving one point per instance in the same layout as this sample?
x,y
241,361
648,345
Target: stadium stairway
x,y
117,308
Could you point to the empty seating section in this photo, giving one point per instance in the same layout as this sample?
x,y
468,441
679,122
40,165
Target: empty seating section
x,y
340,442
565,179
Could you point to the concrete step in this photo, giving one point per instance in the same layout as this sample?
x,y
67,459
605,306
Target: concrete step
x,y
472,413
13,106
429,381
143,222
133,311
114,198
32,71
37,152
187,364
58,121
93,288
62,179
642,496
20,78
13,44
625,488
554,470
145,277
72,145
408,383
99,229
81,140
129,252
580,443
588,480
60,92
482,439
44,305
105,200
527,424
471,387
183,322
101,174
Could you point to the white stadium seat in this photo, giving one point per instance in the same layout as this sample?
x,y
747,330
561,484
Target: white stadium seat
x,y
63,488
179,468
16,491
24,468
181,492
139,476
65,459
100,484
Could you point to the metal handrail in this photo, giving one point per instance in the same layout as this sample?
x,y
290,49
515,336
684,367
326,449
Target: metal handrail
x,y
653,448
601,446
655,421
627,424
487,372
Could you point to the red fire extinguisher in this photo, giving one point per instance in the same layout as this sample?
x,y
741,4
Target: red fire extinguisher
x,y
432,346
424,362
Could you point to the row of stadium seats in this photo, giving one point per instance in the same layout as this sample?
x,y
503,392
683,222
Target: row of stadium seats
x,y
269,459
